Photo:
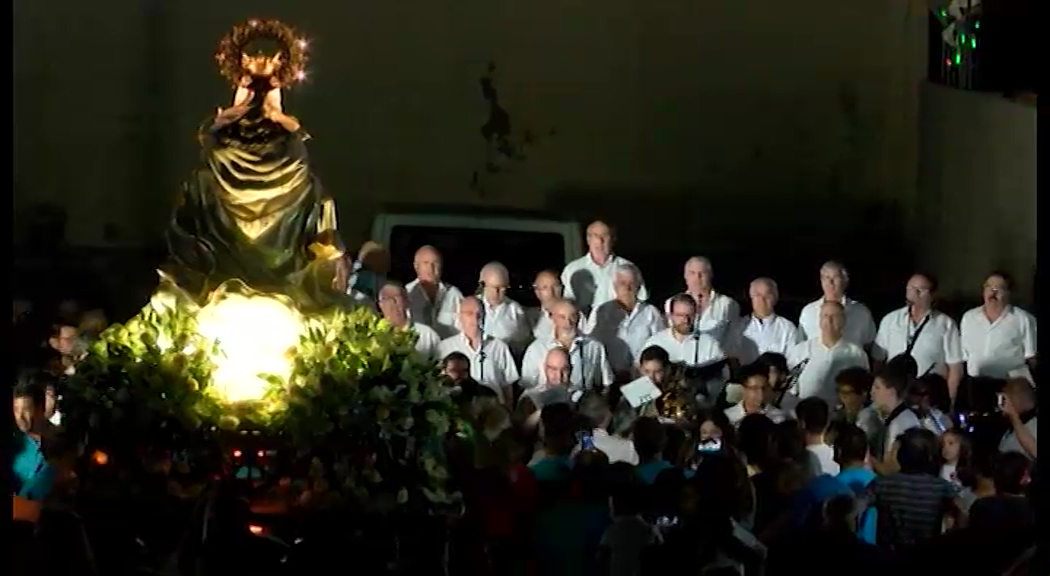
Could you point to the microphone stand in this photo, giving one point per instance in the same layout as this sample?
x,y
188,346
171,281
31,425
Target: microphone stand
x,y
480,293
577,346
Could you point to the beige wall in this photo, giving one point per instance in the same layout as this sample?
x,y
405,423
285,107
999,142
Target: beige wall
x,y
978,181
809,107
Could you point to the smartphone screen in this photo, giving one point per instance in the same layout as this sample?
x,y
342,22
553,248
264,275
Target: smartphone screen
x,y
666,521
586,441
1000,400
712,445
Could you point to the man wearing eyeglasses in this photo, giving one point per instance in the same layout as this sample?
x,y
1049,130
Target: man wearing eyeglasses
x,y
998,338
393,304
927,335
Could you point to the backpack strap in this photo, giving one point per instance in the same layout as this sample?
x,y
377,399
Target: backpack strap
x,y
864,503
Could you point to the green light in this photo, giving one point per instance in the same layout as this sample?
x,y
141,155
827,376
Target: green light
x,y
962,38
958,58
973,43
977,25
944,13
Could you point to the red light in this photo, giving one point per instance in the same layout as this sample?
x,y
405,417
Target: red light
x,y
236,453
255,529
260,453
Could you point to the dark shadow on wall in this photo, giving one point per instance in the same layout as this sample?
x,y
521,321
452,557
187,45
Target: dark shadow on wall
x,y
784,237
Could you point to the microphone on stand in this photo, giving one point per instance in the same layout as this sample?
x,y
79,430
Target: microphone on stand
x,y
577,347
696,343
480,295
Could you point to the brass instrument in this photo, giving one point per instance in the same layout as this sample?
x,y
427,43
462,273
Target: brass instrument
x,y
685,386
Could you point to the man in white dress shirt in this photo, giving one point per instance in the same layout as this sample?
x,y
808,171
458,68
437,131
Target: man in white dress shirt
x,y
491,363
715,311
834,280
682,341
504,318
998,338
548,290
557,371
588,280
625,324
430,300
590,366
929,336
393,303
824,355
762,330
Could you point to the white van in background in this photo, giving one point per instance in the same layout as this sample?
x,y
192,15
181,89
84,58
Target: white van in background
x,y
470,237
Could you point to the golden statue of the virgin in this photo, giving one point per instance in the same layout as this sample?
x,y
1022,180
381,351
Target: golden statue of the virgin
x,y
254,211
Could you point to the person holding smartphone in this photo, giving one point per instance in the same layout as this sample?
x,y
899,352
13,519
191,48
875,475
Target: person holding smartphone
x,y
1018,404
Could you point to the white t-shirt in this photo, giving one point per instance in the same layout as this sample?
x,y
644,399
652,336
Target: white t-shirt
x,y
936,347
616,448
822,459
906,420
1009,443
735,414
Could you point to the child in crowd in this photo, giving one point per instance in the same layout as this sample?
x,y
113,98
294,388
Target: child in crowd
x,y
956,453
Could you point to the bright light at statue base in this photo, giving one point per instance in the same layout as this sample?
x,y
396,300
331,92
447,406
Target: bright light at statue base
x,y
256,337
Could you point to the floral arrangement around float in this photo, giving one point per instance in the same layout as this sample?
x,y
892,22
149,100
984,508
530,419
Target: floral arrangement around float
x,y
342,391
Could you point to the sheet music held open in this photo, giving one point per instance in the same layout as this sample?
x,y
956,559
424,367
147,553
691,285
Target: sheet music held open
x,y
640,392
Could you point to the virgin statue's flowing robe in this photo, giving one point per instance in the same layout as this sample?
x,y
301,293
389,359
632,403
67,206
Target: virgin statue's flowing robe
x,y
255,212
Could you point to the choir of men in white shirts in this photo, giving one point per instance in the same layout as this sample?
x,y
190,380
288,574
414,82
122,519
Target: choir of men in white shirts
x,y
491,363
834,280
762,330
504,318
430,300
715,312
936,348
588,280
825,355
548,290
998,338
625,324
393,305
590,366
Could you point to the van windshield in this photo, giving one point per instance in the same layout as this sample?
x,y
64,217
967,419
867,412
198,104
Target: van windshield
x,y
466,250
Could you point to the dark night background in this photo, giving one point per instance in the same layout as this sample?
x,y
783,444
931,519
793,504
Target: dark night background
x,y
766,135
